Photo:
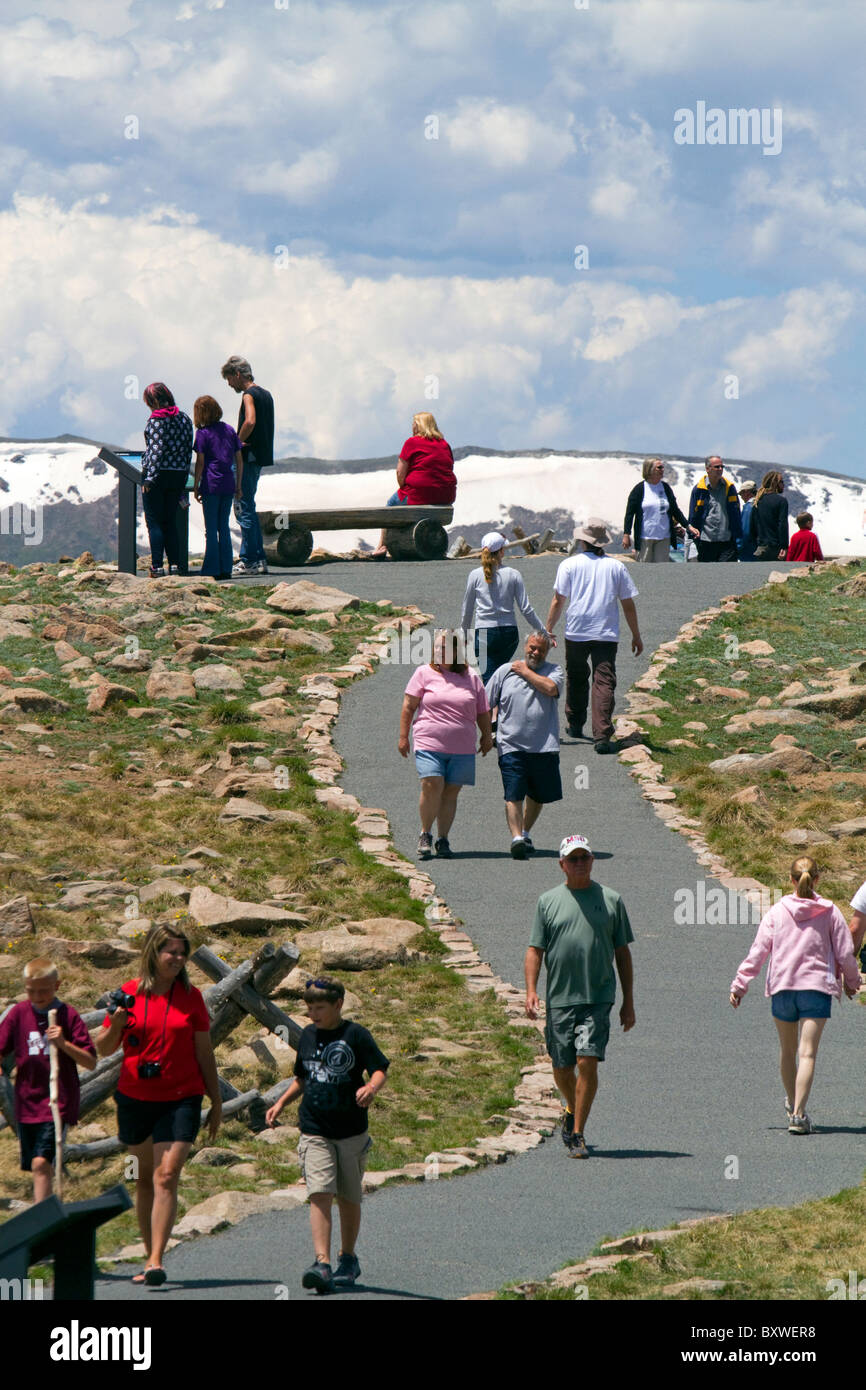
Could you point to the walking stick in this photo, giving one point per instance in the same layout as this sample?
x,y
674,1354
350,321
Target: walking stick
x,y
53,1096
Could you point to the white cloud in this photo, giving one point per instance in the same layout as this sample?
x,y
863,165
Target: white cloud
x,y
300,182
506,137
806,335
614,199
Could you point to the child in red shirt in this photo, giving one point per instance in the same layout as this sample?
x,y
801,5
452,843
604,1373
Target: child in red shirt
x,y
24,1030
804,544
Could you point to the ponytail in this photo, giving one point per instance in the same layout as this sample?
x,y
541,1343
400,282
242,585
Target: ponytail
x,y
804,871
489,562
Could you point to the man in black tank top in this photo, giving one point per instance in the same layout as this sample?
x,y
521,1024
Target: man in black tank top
x,y
256,433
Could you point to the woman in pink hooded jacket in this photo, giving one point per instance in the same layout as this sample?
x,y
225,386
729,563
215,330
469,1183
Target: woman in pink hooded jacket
x,y
809,945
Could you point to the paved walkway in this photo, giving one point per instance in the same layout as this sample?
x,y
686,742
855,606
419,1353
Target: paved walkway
x,y
690,1086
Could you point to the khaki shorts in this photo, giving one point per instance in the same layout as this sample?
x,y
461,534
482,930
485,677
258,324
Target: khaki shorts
x,y
334,1165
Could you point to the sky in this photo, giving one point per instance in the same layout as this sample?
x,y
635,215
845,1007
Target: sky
x,y
382,205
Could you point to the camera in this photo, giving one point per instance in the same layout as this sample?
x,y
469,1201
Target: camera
x,y
119,999
148,1070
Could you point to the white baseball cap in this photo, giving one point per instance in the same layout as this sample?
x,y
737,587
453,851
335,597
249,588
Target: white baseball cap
x,y
571,843
492,541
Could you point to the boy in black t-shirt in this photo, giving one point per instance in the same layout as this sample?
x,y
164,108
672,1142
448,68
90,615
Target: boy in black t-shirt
x,y
333,1054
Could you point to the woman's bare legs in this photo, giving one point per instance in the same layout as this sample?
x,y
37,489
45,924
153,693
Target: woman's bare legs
x,y
448,808
430,801
810,1037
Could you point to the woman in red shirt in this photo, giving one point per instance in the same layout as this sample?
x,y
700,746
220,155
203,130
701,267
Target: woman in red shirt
x,y
168,1064
425,470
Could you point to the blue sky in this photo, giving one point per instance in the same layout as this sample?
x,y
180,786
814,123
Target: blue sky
x,y
280,199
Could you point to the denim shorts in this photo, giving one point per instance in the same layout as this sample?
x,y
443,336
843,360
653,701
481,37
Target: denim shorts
x,y
789,1005
535,775
456,768
395,500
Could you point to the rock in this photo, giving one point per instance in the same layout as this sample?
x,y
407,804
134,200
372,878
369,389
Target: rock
x,y
306,597
142,661
105,695
163,888
211,909
202,852
135,928
192,632
636,754
337,799
763,702
784,741
697,725
432,1048
275,687
228,1208
750,796
35,701
845,702
275,708
368,945
757,648
796,760
244,1170
240,781
16,919
848,827
240,809
170,685
281,1134
701,1285
806,837
217,677
104,955
761,718
90,892
215,1158
726,692
791,691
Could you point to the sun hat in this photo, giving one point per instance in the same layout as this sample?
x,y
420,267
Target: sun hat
x,y
594,532
571,843
748,486
492,542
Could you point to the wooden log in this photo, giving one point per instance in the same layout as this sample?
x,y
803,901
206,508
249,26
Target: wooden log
x,y
272,1096
459,549
354,518
544,540
99,1148
235,1106
292,545
94,1018
430,540
248,996
100,1083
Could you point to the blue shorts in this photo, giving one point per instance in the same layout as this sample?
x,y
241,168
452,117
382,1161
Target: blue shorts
x,y
577,1030
396,501
37,1140
456,768
531,774
789,1005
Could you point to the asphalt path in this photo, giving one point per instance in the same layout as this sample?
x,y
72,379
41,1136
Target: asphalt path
x,y
689,1115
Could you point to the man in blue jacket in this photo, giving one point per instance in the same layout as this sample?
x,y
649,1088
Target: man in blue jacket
x,y
714,508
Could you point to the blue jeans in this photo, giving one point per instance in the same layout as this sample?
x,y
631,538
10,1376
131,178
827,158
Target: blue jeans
x,y
217,509
395,500
493,647
252,547
161,504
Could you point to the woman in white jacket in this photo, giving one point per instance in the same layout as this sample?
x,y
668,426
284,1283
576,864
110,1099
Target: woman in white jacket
x,y
492,591
810,947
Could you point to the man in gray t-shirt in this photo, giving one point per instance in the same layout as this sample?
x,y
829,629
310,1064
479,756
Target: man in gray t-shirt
x,y
526,695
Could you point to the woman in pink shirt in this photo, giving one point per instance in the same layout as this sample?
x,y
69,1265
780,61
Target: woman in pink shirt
x,y
810,947
446,700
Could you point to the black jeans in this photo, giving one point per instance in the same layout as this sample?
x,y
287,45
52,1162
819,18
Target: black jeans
x,y
493,647
711,551
578,656
161,504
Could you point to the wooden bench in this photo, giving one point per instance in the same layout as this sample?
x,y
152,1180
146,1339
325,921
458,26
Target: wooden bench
x,y
411,533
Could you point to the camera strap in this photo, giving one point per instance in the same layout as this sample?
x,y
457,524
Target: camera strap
x,y
164,1022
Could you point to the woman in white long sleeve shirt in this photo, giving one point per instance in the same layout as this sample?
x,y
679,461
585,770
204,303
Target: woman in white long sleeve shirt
x,y
492,591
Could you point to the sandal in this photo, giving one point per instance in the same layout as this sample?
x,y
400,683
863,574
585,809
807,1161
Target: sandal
x,y
155,1275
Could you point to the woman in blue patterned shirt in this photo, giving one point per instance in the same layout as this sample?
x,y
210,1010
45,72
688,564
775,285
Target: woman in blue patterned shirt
x,y
164,473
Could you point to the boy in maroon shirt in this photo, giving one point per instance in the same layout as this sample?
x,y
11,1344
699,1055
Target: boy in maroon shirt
x,y
804,543
24,1030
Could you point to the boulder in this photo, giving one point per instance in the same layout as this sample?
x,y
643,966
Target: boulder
x,y
170,685
106,694
90,892
104,955
275,708
305,597
163,887
368,945
211,909
750,796
240,781
142,661
16,919
228,1208
857,826
34,701
241,809
845,702
212,1157
726,692
757,648
795,760
761,718
217,677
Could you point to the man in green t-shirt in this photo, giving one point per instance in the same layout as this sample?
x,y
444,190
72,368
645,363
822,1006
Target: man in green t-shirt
x,y
581,931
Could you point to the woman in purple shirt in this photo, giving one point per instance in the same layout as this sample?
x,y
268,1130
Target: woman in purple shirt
x,y
218,472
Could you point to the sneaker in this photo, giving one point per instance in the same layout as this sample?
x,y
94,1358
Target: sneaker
x,y
173,569
530,847
348,1270
605,745
800,1124
244,569
157,573
443,849
262,566
318,1277
425,845
518,848
567,1128
578,1147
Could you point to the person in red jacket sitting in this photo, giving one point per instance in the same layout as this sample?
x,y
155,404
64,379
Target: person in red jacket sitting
x,y
425,470
804,544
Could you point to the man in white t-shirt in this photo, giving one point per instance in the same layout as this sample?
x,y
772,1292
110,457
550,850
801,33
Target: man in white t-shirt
x,y
858,921
593,584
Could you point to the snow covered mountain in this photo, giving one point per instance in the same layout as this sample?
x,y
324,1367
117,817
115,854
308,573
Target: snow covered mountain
x,y
58,498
